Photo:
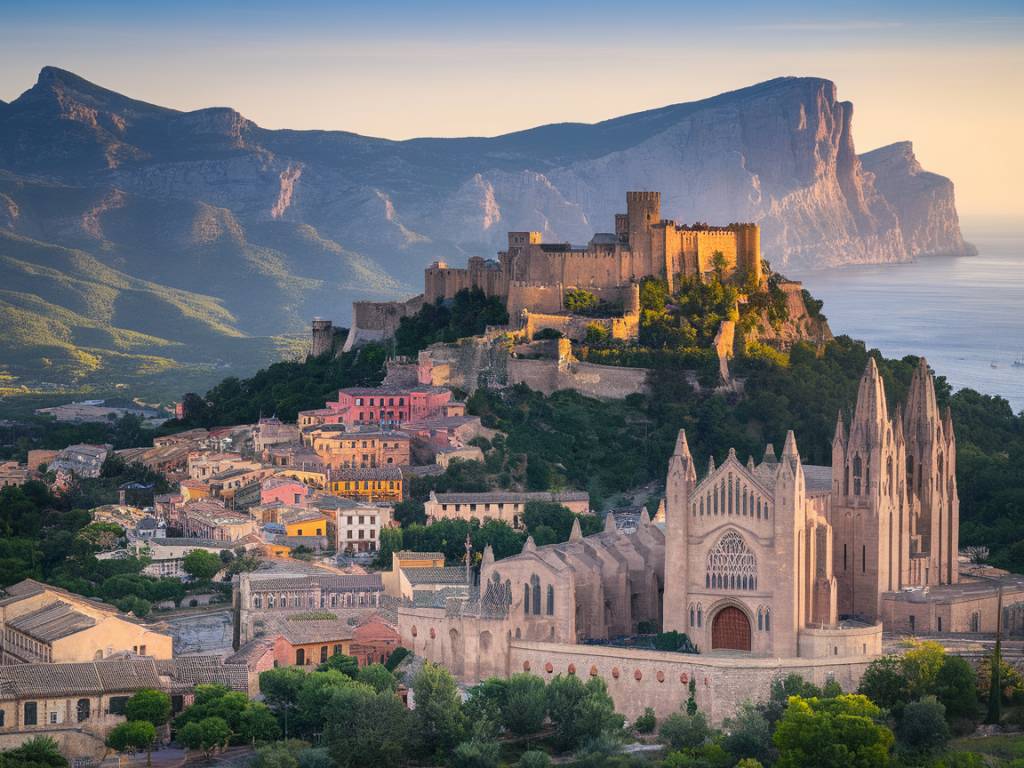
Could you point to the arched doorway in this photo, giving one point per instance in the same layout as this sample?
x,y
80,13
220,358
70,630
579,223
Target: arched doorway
x,y
730,629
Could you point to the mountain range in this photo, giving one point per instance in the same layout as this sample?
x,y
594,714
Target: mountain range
x,y
137,240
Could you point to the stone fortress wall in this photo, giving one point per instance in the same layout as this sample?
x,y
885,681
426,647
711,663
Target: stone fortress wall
x,y
533,276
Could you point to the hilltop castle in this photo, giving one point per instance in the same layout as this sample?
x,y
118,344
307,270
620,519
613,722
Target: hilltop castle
x,y
531,277
769,567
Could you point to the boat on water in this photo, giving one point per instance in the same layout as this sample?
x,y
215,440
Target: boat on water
x,y
1019,362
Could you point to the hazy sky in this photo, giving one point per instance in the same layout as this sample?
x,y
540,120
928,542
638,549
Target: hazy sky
x,y
949,76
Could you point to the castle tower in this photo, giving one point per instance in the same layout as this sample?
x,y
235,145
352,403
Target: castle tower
x,y
679,484
643,209
748,251
323,337
931,480
869,531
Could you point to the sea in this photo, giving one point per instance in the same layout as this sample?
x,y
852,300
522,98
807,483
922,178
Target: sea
x,y
965,315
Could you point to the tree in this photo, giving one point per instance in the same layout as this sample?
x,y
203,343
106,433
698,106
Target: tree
x,y
206,735
133,736
921,665
886,684
280,687
486,702
201,565
440,723
257,723
832,733
923,730
478,752
149,705
679,731
340,662
389,542
580,712
37,752
646,722
365,728
956,689
748,735
378,677
534,758
525,704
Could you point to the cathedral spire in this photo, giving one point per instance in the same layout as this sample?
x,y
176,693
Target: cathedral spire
x,y
789,449
576,534
769,455
840,433
645,517
711,464
530,545
922,415
870,413
682,451
609,523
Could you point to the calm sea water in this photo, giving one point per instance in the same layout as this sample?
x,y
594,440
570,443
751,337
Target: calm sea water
x,y
966,315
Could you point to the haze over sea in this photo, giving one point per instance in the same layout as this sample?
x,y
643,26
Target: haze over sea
x,y
963,314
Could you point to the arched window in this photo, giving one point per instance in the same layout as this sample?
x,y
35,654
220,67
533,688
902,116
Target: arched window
x,y
858,474
284,601
257,601
526,599
535,588
551,600
731,564
692,616
270,601
888,477
760,620
700,615
767,619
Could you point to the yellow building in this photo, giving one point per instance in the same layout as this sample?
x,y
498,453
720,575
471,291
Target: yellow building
x,y
406,560
312,478
40,623
306,523
371,484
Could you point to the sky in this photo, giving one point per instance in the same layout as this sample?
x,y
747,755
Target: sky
x,y
948,76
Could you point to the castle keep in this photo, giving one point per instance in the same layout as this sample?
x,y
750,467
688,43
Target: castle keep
x,y
531,277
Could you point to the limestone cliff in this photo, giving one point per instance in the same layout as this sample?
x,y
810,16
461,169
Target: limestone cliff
x,y
923,201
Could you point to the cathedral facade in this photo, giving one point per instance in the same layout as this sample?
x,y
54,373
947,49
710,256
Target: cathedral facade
x,y
763,565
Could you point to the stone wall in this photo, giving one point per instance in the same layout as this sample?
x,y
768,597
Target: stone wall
x,y
377,320
575,327
638,678
601,381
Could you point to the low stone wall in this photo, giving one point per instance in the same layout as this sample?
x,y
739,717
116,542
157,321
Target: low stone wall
x,y
637,679
73,743
601,381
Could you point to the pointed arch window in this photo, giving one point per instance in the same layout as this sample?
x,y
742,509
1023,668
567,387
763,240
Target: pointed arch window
x,y
526,599
858,474
700,615
767,619
693,616
731,564
551,600
535,589
760,620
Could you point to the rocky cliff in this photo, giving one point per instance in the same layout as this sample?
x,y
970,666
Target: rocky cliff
x,y
278,226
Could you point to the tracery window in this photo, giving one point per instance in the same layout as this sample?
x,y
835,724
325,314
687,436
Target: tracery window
x,y
535,587
731,564
857,474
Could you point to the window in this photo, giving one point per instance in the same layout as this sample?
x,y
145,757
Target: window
x,y
31,713
731,564
912,623
551,600
863,558
857,474
760,620
323,653
692,617
975,622
700,615
117,704
535,585
257,601
300,657
940,623
844,557
767,619
526,599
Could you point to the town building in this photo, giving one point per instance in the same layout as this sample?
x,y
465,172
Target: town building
x,y
264,595
41,623
167,555
272,431
391,406
13,473
507,506
81,460
211,520
339,448
367,484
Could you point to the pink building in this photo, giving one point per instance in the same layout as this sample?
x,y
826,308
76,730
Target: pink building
x,y
391,406
285,490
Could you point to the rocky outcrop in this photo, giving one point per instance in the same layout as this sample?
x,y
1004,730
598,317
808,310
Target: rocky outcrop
x,y
923,201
